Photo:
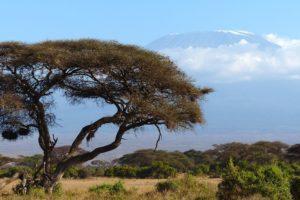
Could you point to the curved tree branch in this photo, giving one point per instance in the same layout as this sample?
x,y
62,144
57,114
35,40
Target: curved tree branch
x,y
90,129
159,136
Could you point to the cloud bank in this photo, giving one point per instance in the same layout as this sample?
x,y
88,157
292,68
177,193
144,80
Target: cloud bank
x,y
240,61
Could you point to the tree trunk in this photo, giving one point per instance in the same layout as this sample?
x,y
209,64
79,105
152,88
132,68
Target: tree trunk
x,y
49,189
54,180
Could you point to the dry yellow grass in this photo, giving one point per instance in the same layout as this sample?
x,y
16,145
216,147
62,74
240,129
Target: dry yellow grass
x,y
137,189
140,185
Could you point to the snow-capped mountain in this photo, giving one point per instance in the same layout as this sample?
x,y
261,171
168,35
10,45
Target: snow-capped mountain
x,y
247,71
227,55
211,39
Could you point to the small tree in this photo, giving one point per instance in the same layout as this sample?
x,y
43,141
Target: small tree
x,y
145,88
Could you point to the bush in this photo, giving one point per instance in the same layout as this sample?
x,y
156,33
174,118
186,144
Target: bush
x,y
144,158
295,187
121,171
57,189
166,186
85,173
269,181
156,170
37,193
186,188
200,169
99,171
273,183
112,189
9,172
31,161
296,169
71,172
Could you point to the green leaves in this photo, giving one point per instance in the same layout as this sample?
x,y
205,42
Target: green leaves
x,y
268,181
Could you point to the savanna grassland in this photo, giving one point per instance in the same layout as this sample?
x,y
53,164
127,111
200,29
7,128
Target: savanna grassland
x,y
188,188
263,170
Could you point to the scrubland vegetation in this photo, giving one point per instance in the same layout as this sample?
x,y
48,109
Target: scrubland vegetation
x,y
185,187
263,170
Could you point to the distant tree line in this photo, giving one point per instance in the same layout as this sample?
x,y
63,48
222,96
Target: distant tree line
x,y
210,162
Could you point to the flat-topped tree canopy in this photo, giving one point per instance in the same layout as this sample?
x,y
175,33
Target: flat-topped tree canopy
x,y
140,83
145,87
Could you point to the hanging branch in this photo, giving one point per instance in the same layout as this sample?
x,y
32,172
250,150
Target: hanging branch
x,y
159,136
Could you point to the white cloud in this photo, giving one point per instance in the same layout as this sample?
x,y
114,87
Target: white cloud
x,y
241,61
243,42
283,42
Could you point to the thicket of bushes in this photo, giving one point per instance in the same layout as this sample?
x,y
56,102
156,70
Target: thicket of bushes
x,y
144,158
82,172
213,161
186,188
112,189
268,181
155,170
9,172
295,187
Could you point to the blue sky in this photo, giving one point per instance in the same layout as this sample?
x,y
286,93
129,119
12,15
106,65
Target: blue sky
x,y
139,21
257,110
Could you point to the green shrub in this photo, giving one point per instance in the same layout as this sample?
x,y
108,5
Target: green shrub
x,y
156,170
200,169
31,161
121,171
116,188
166,186
72,172
145,158
81,172
37,193
186,188
9,172
85,173
295,187
273,183
269,181
296,169
99,171
57,189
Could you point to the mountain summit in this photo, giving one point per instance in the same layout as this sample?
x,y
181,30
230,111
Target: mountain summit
x,y
210,39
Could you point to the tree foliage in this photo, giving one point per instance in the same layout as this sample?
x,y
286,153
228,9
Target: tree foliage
x,y
146,157
261,152
144,87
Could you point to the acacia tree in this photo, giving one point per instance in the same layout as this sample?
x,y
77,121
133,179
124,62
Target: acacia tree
x,y
144,87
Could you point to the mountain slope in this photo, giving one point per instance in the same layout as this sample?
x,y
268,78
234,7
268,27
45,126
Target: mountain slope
x,y
210,39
